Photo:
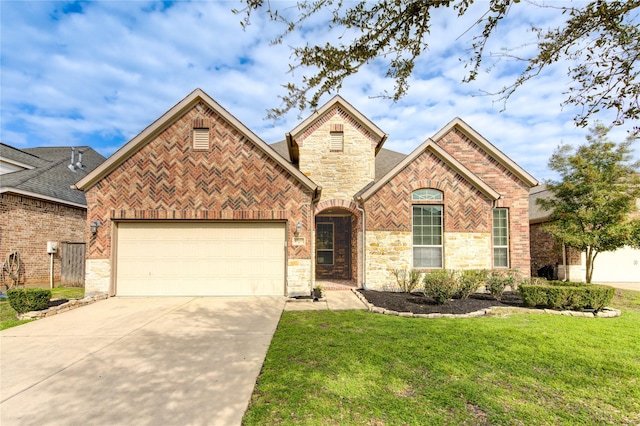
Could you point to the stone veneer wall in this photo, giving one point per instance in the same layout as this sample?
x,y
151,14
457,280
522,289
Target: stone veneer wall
x,y
340,174
299,277
26,224
389,250
386,251
167,179
467,250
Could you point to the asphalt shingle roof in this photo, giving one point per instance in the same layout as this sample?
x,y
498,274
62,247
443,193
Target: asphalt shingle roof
x,y
51,176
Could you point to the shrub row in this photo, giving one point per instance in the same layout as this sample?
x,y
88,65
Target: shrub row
x,y
443,284
566,295
28,299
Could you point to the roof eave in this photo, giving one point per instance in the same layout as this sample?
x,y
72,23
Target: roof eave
x,y
165,121
10,190
489,147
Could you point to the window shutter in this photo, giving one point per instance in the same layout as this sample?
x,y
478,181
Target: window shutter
x,y
201,139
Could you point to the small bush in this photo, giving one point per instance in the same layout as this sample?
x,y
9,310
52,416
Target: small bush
x,y
29,299
407,280
574,296
441,284
470,281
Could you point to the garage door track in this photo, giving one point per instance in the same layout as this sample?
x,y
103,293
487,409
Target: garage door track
x,y
170,361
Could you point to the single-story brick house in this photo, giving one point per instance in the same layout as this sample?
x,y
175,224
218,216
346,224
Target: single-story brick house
x,y
197,204
619,266
38,206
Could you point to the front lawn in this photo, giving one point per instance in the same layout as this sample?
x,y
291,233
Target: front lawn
x,y
8,315
351,367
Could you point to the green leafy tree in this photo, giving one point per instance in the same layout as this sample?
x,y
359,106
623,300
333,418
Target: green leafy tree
x,y
594,202
599,39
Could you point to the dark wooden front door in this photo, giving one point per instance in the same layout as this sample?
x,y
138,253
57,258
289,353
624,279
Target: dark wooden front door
x,y
333,247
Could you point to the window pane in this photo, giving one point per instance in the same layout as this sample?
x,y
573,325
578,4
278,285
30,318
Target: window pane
x,y
325,257
427,194
324,236
427,257
501,237
500,258
427,236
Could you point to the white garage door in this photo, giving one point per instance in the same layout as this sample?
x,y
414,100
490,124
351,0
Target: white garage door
x,y
620,266
200,259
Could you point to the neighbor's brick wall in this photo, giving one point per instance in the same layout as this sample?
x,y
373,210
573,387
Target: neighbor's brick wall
x,y
340,173
26,224
514,192
545,250
167,179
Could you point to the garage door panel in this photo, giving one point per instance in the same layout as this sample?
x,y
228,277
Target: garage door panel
x,y
200,259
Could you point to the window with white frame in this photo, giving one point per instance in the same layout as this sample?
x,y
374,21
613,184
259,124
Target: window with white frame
x,y
501,238
426,195
324,243
427,236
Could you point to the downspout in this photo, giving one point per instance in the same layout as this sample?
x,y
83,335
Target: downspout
x,y
360,208
312,240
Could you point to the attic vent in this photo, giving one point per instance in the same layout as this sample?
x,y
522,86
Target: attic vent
x,y
336,142
201,139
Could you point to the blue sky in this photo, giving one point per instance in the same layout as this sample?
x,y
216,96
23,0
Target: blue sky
x,y
98,73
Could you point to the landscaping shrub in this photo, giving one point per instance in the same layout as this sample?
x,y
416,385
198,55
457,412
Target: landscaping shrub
x,y
441,284
470,281
29,299
499,279
564,295
407,280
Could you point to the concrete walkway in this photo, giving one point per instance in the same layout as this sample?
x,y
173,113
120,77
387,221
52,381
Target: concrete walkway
x,y
137,361
333,300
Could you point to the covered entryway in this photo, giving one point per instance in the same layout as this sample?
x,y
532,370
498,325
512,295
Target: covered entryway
x,y
336,243
200,258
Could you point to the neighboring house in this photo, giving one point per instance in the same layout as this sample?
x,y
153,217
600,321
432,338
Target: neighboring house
x,y
197,204
38,206
620,266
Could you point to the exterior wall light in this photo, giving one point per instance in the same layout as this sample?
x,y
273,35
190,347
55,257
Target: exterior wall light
x,y
95,225
298,229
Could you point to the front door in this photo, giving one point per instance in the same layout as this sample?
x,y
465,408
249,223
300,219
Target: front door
x,y
333,247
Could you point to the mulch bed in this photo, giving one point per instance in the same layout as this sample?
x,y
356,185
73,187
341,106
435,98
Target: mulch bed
x,y
417,303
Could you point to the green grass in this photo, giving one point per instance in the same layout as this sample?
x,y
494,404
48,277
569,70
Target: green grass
x,y
341,368
8,315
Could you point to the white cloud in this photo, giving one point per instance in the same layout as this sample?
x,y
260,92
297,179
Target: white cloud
x,y
101,75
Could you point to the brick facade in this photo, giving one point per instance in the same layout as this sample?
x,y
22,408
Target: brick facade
x,y
514,193
167,179
27,224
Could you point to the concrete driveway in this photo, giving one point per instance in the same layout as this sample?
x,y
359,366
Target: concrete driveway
x,y
138,361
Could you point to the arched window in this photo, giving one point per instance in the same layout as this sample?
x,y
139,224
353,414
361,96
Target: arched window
x,y
427,194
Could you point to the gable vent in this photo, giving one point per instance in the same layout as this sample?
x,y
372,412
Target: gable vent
x,y
336,133
201,139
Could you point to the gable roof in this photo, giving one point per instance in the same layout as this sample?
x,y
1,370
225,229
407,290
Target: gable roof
x,y
488,147
431,146
291,137
168,118
48,175
536,213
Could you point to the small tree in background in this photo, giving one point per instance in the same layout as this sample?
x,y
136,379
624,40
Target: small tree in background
x,y
593,202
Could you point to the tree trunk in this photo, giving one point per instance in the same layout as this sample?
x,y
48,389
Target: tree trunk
x,y
591,258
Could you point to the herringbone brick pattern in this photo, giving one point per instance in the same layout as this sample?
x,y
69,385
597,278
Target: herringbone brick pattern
x,y
514,192
167,179
466,209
